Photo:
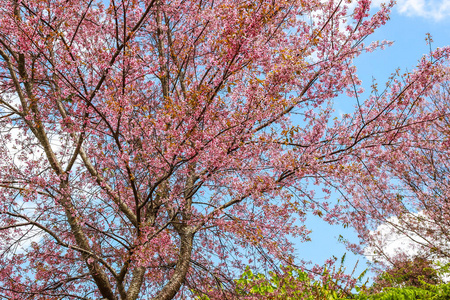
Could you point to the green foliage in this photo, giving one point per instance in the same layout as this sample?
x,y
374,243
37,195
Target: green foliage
x,y
291,284
428,291
296,284
409,279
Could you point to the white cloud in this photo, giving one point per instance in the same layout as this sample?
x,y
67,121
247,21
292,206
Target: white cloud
x,y
393,238
433,9
21,241
436,10
389,240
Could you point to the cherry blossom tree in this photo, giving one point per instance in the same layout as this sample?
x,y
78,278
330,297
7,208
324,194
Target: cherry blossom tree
x,y
401,189
152,147
416,272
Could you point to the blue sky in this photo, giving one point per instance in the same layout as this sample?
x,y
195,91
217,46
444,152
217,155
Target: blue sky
x,y
410,21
